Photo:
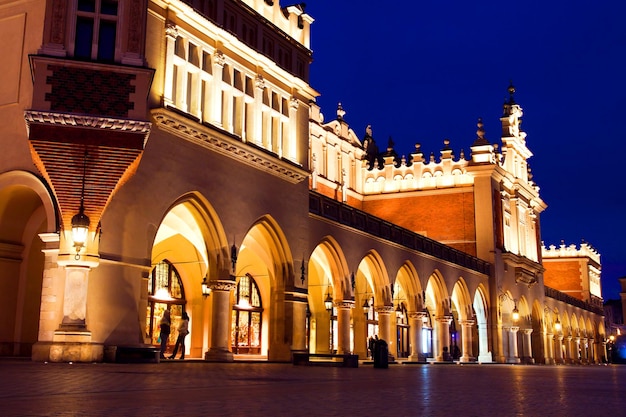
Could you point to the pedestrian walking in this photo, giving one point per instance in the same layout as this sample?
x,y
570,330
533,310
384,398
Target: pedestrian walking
x,y
183,331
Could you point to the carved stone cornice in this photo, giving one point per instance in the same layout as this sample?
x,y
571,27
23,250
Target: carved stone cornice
x,y
231,147
74,120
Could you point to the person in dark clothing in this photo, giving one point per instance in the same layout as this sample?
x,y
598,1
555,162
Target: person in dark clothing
x,y
165,331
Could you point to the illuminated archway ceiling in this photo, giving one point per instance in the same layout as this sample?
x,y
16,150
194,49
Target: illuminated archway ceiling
x,y
181,221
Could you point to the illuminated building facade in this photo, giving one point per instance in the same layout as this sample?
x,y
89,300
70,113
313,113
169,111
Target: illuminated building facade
x,y
183,139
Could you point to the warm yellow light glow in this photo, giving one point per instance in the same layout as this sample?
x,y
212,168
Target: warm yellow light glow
x,y
515,314
162,294
80,228
244,303
612,338
557,325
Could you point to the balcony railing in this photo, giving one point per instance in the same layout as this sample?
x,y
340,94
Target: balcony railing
x,y
568,299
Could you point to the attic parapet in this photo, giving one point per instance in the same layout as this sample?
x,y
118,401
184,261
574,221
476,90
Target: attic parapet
x,y
397,174
570,251
291,19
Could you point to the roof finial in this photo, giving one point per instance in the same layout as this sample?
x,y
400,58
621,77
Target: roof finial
x,y
480,134
340,112
511,90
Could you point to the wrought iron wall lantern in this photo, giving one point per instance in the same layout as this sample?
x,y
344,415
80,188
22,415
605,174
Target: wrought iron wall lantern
x,y
206,290
80,221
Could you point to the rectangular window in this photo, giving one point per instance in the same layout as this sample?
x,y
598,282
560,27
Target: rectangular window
x,y
96,29
106,41
84,37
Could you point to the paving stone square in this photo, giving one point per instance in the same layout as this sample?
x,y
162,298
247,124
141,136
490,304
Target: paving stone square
x,y
265,389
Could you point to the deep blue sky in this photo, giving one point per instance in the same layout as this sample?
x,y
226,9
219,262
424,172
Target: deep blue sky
x,y
424,71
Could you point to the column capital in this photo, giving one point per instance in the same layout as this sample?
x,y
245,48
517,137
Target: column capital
x,y
219,58
416,314
259,82
384,309
344,304
222,285
171,31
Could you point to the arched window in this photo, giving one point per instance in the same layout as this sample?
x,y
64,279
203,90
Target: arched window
x,y
165,291
247,318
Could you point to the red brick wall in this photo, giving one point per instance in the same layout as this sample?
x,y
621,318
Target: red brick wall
x,y
444,217
563,275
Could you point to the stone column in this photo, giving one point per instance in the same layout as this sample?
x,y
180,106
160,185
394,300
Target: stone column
x,y
512,351
584,350
219,349
415,329
558,357
548,340
577,350
466,334
593,356
443,338
343,326
484,354
528,346
384,324
298,327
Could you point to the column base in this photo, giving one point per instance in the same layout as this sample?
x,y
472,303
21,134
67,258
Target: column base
x,y
417,358
485,358
218,355
513,360
68,352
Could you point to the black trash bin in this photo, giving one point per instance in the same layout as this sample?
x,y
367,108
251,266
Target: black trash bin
x,y
381,354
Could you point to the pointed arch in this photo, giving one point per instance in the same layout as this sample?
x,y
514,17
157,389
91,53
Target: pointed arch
x,y
328,268
192,218
408,280
373,269
266,238
13,184
437,298
190,237
461,299
482,329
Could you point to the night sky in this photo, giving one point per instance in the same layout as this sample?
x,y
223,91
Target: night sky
x,y
425,71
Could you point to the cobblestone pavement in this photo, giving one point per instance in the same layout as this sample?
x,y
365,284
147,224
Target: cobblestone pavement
x,y
265,389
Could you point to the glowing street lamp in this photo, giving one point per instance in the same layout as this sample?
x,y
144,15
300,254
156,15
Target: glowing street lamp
x,y
515,314
328,301
557,325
